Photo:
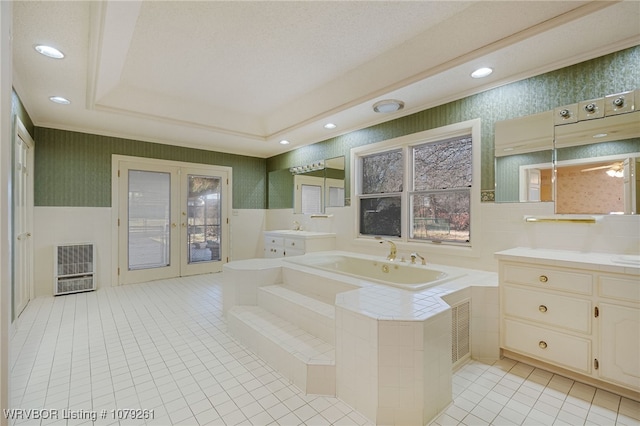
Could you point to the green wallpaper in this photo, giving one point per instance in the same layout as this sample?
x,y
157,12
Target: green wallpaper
x,y
609,74
74,169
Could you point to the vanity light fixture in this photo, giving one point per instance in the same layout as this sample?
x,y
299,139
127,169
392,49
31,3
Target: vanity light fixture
x,y
284,142
482,72
330,126
307,168
59,100
388,105
48,51
615,173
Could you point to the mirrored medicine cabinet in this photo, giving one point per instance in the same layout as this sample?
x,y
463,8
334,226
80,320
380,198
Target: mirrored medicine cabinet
x,y
583,157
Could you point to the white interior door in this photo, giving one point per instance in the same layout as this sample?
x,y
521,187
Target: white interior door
x,y
172,221
534,183
23,219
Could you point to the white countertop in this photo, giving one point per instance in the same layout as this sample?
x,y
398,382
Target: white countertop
x,y
302,234
603,262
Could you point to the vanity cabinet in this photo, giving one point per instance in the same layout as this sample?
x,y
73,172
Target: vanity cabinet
x,y
295,243
572,315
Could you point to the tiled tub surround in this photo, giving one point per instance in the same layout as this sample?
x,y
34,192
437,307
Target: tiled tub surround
x,y
389,355
574,313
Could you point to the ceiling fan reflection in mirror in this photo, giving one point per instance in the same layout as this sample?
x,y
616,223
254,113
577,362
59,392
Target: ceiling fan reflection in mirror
x,y
614,170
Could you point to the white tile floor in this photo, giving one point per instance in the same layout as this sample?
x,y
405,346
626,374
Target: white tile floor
x,y
163,346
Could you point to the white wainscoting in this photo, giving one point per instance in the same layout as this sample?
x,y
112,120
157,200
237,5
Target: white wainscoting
x,y
55,225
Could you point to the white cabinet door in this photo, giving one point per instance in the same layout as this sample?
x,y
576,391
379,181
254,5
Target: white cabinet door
x,y
620,344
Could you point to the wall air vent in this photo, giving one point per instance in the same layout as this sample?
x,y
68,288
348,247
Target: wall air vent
x,y
460,340
74,268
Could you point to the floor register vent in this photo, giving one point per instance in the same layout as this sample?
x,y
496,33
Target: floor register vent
x,y
460,341
74,268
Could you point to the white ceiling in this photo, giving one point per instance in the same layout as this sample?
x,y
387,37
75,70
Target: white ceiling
x,y
239,76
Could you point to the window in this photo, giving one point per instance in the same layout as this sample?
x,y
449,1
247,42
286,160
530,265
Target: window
x,y
440,197
380,201
420,188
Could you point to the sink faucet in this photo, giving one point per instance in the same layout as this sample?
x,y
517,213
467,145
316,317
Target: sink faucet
x,y
413,258
392,252
296,225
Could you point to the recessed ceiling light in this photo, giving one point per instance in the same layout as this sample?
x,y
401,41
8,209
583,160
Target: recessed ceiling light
x,y
388,105
481,72
330,126
284,142
49,51
60,100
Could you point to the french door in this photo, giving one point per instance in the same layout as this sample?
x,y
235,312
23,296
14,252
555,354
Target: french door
x,y
172,220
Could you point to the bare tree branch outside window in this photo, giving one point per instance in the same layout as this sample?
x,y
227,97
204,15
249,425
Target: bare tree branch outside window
x,y
439,197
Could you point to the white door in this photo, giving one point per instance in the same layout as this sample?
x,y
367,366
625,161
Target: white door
x,y
172,221
533,187
23,214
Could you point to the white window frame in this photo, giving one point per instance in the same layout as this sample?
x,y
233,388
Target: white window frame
x,y
406,143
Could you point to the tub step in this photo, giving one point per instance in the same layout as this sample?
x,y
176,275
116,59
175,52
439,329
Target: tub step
x,y
306,360
310,314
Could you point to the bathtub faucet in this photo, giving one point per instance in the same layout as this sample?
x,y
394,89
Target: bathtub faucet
x,y
413,258
393,252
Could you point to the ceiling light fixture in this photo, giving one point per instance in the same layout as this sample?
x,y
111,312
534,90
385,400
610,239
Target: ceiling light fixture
x,y
330,126
481,72
284,142
49,51
388,105
60,100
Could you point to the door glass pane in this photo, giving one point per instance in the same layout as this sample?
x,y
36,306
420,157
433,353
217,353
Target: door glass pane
x,y
149,219
204,218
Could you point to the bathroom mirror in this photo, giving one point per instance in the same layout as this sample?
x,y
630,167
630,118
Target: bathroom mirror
x,y
592,167
525,177
318,185
598,178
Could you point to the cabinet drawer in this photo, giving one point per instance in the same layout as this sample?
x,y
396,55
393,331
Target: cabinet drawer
x,y
558,311
548,277
558,348
275,241
294,243
621,288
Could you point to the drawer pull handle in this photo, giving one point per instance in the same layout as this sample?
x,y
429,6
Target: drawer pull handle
x,y
542,344
293,243
543,278
542,308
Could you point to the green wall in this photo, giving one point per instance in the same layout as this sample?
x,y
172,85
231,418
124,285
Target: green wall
x,y
609,74
74,169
